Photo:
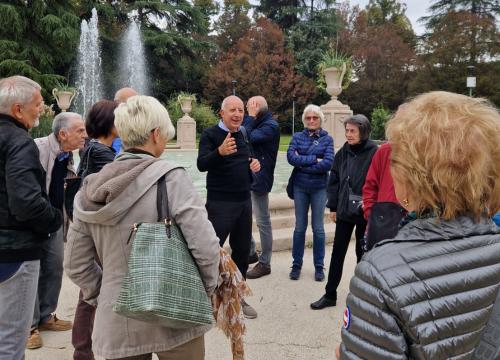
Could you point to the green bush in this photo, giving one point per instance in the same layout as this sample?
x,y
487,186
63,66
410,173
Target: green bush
x,y
380,115
45,126
201,113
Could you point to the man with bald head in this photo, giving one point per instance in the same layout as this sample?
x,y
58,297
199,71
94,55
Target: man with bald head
x,y
264,136
226,156
26,215
123,94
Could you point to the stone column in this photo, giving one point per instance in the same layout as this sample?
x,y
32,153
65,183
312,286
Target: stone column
x,y
335,114
186,132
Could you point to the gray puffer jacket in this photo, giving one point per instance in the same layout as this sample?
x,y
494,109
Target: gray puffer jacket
x,y
426,294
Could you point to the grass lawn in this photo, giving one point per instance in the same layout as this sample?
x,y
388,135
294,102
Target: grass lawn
x,y
285,141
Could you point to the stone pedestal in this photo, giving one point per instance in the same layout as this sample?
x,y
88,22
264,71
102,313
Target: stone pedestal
x,y
186,132
335,114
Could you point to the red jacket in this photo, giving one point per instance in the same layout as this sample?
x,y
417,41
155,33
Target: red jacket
x,y
378,184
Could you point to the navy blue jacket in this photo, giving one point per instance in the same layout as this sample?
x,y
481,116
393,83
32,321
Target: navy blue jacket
x,y
304,152
264,136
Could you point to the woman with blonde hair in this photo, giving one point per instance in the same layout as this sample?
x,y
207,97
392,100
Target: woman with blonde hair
x,y
106,208
428,292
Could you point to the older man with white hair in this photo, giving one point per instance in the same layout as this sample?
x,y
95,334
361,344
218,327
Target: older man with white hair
x,y
56,157
26,215
226,157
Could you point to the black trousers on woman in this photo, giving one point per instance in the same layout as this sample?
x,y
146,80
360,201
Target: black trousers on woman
x,y
343,233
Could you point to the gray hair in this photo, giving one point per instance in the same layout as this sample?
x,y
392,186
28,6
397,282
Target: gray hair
x,y
362,123
16,90
135,119
314,109
62,121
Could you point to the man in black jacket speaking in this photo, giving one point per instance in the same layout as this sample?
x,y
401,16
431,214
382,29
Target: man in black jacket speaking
x,y
26,215
224,154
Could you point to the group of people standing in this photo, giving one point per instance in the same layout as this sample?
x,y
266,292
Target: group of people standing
x,y
424,291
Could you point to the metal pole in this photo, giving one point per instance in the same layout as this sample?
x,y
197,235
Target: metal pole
x,y
293,116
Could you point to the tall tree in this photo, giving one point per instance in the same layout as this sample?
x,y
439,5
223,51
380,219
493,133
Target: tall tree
x,y
38,39
232,24
313,34
382,61
481,11
261,65
285,13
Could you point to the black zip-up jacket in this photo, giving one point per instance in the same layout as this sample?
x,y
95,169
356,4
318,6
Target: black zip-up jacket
x,y
26,216
355,166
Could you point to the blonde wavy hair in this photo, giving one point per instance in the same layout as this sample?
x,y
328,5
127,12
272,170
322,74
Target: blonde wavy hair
x,y
446,151
135,118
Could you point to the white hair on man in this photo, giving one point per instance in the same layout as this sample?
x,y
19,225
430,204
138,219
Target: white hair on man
x,y
136,118
16,90
315,109
63,121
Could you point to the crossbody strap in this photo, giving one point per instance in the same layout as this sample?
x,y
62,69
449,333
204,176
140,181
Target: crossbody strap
x,y
489,345
247,141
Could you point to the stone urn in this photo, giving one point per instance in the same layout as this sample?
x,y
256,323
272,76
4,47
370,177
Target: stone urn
x,y
63,98
186,104
333,79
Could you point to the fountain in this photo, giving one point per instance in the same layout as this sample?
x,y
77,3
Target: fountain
x,y
88,81
133,60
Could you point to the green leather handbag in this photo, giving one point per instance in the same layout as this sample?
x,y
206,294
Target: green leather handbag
x,y
163,285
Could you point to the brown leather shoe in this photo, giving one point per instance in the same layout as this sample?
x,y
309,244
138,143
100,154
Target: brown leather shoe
x,y
258,271
55,324
34,340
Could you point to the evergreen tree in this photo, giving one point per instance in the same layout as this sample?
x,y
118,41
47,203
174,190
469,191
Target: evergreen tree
x,y
38,39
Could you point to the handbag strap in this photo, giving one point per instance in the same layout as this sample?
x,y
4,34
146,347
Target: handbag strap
x,y
247,141
162,204
489,345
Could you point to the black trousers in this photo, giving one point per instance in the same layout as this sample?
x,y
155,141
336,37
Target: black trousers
x,y
233,219
343,233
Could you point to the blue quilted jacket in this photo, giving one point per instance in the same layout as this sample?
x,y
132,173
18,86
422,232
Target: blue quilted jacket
x,y
304,152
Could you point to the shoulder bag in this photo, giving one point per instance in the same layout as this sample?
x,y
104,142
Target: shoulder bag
x,y
163,284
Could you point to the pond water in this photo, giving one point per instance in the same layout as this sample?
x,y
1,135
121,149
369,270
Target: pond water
x,y
187,159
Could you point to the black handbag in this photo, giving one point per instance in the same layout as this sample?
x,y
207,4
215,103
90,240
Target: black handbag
x,y
383,223
71,187
289,186
354,204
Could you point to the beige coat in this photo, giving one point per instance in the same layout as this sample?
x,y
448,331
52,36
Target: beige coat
x,y
105,209
49,148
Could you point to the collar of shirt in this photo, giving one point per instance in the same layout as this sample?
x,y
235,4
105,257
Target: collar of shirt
x,y
224,127
314,133
63,155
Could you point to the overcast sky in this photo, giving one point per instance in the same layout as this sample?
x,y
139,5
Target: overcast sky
x,y
415,9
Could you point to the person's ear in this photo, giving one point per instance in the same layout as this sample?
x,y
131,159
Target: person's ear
x,y
16,111
156,135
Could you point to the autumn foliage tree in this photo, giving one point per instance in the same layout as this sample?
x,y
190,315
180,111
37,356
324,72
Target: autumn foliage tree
x,y
261,65
382,61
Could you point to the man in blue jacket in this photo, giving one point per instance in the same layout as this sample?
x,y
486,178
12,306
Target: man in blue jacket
x,y
264,137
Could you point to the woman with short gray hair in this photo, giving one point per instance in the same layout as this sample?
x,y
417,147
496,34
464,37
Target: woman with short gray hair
x,y
110,202
344,187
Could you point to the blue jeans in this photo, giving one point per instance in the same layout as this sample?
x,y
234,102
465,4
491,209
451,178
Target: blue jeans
x,y
17,299
260,207
50,281
316,199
